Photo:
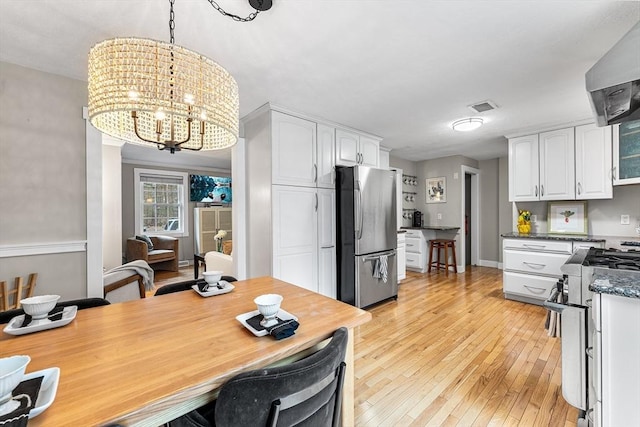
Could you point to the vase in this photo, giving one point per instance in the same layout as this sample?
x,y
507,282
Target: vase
x,y
524,228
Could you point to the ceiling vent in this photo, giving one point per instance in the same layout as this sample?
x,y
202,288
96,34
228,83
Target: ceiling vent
x,y
483,106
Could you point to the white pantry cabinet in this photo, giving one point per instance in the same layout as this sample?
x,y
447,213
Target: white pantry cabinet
x,y
564,164
356,149
294,150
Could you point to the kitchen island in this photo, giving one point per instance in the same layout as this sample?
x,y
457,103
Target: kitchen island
x,y
148,361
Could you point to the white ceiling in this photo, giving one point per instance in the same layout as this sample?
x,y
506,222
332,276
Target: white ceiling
x,y
400,69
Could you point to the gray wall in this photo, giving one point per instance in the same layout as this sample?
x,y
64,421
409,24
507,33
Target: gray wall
x,y
43,176
505,220
489,198
128,206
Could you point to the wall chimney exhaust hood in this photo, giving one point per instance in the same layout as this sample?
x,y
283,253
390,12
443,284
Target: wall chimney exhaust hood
x,y
613,83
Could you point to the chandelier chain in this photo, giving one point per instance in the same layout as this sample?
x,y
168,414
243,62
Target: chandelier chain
x,y
172,23
237,18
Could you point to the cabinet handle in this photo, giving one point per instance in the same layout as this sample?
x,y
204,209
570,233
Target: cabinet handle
x,y
531,288
613,172
315,173
529,245
359,158
536,191
589,352
531,264
316,202
589,303
579,188
542,191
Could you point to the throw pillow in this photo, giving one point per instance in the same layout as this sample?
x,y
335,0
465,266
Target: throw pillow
x,y
147,240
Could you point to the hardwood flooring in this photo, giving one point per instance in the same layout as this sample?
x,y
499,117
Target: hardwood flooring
x,y
451,351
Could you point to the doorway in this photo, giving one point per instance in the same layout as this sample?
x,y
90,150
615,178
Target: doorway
x,y
469,248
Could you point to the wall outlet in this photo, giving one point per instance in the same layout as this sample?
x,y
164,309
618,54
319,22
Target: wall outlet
x,y
534,218
439,216
624,219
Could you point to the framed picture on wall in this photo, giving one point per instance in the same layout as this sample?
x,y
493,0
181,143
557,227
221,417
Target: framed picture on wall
x,y
436,190
567,217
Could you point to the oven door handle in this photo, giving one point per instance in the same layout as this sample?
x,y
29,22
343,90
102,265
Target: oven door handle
x,y
552,303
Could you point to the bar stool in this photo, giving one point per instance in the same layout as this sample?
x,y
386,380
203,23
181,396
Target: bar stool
x,y
444,245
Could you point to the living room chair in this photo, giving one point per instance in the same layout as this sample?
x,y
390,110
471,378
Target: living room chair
x,y
185,286
127,282
304,393
83,303
162,255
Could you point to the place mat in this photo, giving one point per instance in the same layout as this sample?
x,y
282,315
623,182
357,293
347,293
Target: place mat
x,y
282,329
53,315
20,416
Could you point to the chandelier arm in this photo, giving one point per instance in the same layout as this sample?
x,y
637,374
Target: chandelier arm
x,y
134,115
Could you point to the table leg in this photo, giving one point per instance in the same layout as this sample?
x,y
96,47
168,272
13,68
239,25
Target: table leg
x,y
348,389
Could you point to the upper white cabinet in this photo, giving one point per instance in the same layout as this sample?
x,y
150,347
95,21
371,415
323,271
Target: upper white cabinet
x,y
593,162
626,153
355,149
565,164
326,156
294,150
557,162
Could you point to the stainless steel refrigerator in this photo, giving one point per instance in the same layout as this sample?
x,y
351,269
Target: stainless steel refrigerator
x,y
367,235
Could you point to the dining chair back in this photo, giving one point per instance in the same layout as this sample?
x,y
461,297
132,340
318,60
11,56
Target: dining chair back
x,y
10,298
185,286
304,393
6,316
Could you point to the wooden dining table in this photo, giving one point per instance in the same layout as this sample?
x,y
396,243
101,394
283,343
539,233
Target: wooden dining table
x,y
148,361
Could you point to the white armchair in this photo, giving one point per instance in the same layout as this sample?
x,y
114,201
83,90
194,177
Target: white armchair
x,y
220,262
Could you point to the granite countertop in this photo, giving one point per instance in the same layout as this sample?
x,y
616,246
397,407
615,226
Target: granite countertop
x,y
616,282
433,227
546,236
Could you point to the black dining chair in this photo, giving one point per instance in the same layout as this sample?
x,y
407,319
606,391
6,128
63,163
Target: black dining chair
x,y
304,393
184,286
6,316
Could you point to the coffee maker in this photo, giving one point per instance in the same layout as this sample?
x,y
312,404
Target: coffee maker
x,y
417,219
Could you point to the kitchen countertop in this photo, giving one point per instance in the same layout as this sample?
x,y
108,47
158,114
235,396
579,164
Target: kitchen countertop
x,y
401,231
433,227
614,242
616,282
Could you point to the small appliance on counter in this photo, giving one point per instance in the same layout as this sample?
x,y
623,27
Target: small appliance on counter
x,y
417,219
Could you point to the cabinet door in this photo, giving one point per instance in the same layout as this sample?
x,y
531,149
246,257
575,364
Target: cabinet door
x,y
326,218
593,162
347,144
295,242
369,152
523,169
557,165
206,222
326,156
293,150
224,221
327,284
626,153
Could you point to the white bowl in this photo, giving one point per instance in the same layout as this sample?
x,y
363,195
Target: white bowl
x,y
11,373
212,277
38,307
268,305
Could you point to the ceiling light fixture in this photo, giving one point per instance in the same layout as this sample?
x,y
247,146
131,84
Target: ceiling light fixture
x,y
153,93
466,125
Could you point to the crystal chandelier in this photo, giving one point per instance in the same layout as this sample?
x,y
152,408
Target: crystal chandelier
x,y
154,93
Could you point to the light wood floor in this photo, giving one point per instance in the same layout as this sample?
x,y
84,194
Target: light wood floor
x,y
453,352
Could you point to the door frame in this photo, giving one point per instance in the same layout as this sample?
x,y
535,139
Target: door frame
x,y
475,216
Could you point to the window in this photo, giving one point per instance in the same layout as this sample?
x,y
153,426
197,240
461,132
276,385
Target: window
x,y
161,202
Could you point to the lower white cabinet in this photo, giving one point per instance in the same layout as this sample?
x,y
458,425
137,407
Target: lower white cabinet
x,y
617,360
417,247
402,257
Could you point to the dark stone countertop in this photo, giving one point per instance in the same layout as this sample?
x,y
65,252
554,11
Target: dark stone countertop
x,y
401,231
546,236
623,283
433,227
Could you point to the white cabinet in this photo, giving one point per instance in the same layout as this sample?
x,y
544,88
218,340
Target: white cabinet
x,y
208,221
417,249
290,199
294,150
402,257
617,355
295,244
626,153
355,149
532,267
557,163
565,164
593,162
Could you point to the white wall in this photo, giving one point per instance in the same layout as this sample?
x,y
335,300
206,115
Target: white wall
x,y
111,205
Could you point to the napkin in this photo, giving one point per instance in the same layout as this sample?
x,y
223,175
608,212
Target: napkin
x,y
282,329
55,314
20,416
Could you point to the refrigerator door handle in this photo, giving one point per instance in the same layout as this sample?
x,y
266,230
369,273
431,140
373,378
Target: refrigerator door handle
x,y
392,252
359,219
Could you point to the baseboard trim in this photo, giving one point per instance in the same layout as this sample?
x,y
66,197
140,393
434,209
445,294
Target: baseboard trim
x,y
184,263
487,263
7,251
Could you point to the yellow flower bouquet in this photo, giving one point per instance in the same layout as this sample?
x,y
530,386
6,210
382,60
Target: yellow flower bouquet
x,y
524,222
